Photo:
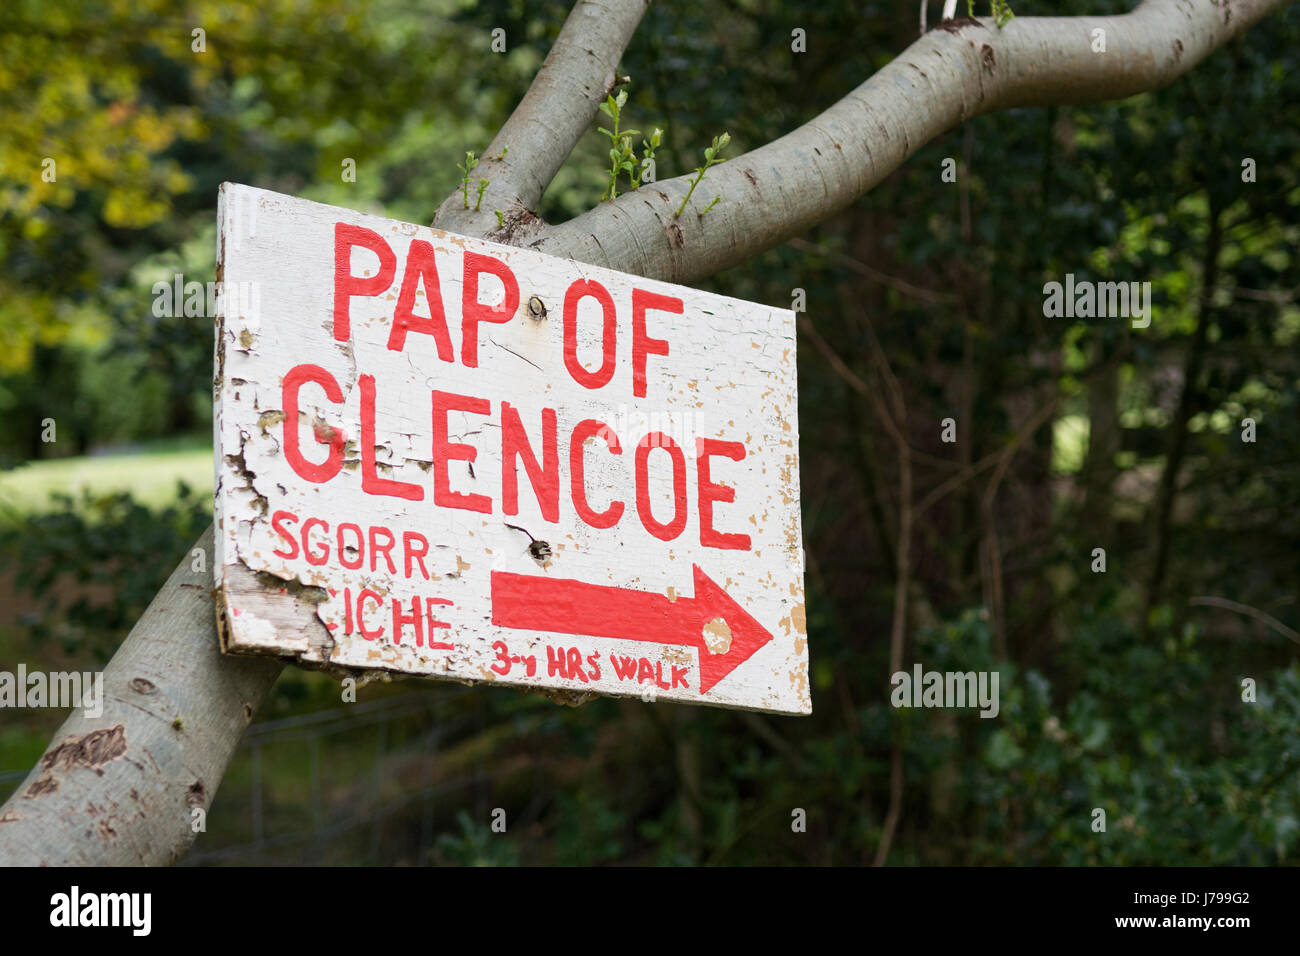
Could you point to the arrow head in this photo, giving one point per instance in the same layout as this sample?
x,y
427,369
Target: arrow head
x,y
721,618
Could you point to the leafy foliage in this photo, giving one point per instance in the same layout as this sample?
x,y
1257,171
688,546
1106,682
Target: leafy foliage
x,y
95,564
474,845
622,156
712,157
1119,690
465,169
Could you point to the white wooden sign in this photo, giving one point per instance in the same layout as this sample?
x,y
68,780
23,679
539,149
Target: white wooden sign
x,y
443,456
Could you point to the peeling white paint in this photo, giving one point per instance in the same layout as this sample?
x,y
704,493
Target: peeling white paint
x,y
712,384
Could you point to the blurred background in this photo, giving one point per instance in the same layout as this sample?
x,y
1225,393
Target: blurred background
x,y
1120,690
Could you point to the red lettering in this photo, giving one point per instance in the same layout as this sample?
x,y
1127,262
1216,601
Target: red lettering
x,y
502,666
314,558
556,663
577,473
420,265
664,532
376,548
360,549
445,451
429,604
361,612
400,619
642,344
277,522
409,540
580,289
473,312
346,285
706,448
371,483
659,676
544,477
624,667
575,665
292,450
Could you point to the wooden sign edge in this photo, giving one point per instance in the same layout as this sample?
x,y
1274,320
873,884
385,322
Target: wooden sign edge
x,y
315,643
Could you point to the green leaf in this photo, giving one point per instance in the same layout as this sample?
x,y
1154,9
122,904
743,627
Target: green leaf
x,y
1003,752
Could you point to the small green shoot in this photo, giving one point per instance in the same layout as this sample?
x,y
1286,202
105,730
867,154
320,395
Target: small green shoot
x,y
470,163
482,185
1002,14
647,156
622,157
712,157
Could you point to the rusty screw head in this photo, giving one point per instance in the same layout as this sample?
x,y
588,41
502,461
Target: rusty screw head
x,y
536,308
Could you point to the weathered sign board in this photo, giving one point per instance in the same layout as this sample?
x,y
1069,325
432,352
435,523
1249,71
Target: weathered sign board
x,y
447,457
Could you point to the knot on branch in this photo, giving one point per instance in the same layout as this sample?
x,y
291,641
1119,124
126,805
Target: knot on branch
x,y
515,224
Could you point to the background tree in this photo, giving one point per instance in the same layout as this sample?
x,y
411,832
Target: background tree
x,y
924,302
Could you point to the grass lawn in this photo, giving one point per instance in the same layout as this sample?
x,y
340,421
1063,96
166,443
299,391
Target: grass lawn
x,y
149,472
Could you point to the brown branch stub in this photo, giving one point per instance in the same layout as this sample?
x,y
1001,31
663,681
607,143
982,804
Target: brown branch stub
x,y
90,751
518,225
41,786
957,24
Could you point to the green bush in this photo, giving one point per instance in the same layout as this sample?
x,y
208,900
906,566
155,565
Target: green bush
x,y
95,564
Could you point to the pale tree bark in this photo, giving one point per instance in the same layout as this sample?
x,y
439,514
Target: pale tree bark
x,y
958,70
572,82
121,789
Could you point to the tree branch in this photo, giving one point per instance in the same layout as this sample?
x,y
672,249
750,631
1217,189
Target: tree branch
x,y
954,72
125,784
862,269
558,108
120,789
1266,619
136,808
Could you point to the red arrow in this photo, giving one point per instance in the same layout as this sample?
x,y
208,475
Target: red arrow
x,y
535,603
